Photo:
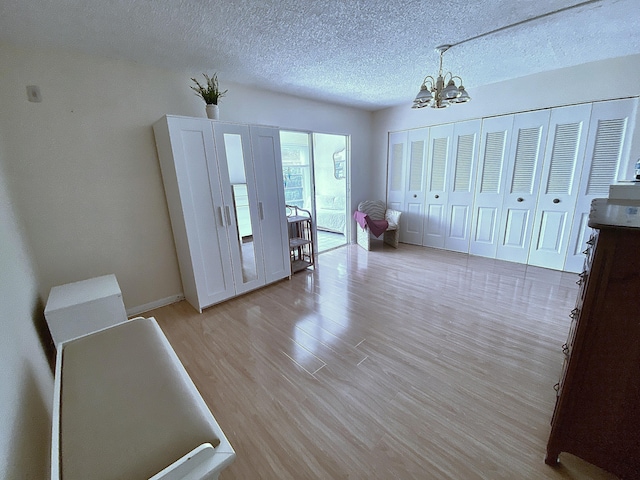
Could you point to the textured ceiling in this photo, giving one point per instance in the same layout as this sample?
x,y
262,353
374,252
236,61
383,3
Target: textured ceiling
x,y
365,53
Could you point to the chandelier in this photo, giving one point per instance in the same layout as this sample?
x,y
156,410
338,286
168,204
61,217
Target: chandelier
x,y
442,91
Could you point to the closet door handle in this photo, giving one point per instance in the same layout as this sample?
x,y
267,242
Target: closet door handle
x,y
520,199
222,220
260,211
228,214
556,200
437,196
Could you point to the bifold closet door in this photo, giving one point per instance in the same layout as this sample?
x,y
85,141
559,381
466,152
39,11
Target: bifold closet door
x,y
405,181
412,223
523,179
495,145
461,185
564,155
608,145
436,189
396,166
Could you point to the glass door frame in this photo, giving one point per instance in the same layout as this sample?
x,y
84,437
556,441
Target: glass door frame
x,y
311,143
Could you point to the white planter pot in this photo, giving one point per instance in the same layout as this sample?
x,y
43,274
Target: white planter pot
x,y
213,112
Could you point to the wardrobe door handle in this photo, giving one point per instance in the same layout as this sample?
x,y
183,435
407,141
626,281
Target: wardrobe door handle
x,y
437,196
556,200
228,212
222,220
260,210
520,199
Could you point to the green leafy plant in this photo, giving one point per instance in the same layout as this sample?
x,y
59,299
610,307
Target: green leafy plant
x,y
210,92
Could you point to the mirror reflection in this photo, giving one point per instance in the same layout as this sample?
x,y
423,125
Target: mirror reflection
x,y
242,207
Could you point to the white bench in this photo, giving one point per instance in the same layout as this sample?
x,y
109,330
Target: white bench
x,y
125,407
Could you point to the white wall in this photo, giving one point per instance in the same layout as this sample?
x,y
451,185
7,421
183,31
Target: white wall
x,y
604,80
244,104
84,169
26,384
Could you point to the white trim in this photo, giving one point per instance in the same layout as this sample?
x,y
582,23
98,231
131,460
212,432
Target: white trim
x,y
153,305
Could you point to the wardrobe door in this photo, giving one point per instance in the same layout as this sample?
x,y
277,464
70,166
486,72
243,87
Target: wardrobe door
x,y
438,164
194,197
490,185
272,217
564,154
241,210
461,185
607,151
523,180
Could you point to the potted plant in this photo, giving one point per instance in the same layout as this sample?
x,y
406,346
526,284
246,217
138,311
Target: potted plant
x,y
210,93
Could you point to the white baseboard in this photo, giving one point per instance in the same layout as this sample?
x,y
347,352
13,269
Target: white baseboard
x,y
153,305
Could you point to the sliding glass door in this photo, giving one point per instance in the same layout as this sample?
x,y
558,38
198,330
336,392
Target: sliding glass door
x,y
316,168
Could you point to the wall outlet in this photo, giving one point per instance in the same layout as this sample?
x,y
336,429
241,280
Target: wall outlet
x,y
33,93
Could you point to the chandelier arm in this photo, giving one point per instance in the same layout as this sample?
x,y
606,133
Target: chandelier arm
x,y
444,77
427,79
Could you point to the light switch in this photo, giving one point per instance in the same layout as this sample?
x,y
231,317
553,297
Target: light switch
x,y
33,93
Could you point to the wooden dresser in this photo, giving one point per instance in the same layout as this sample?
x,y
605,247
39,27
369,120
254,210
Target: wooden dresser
x,y
597,413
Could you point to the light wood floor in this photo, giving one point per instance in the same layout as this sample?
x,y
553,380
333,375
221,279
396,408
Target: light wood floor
x,y
330,240
412,363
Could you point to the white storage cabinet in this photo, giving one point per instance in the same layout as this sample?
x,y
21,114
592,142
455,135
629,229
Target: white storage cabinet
x,y
214,175
87,306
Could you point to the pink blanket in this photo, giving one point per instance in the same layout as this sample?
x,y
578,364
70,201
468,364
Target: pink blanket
x,y
377,227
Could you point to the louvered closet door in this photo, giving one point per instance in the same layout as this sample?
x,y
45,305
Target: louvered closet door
x,y
564,154
606,162
438,162
396,170
523,180
490,185
461,180
412,220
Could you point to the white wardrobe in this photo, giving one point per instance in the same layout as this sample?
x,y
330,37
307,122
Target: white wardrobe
x,y
225,193
515,187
